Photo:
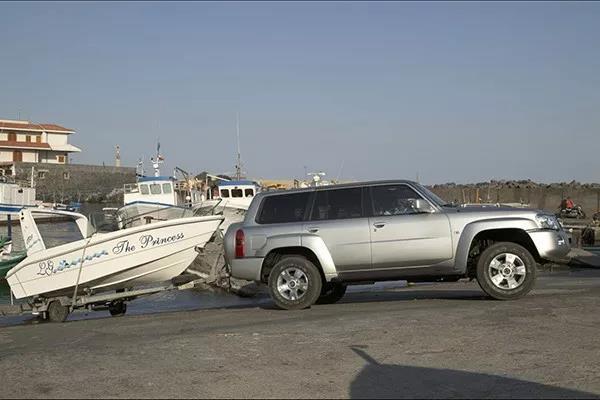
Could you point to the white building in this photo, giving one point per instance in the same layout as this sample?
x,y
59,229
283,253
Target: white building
x,y
31,142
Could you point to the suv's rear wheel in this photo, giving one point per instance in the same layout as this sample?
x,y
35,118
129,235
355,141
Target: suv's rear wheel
x,y
506,271
331,293
295,283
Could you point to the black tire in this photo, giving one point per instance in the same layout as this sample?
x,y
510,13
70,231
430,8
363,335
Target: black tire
x,y
331,293
57,312
483,267
117,308
310,277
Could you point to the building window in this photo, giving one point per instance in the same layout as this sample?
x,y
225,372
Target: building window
x,y
66,175
12,137
61,159
42,174
38,139
28,139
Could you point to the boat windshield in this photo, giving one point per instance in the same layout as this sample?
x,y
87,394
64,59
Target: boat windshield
x,y
104,222
141,213
135,214
57,230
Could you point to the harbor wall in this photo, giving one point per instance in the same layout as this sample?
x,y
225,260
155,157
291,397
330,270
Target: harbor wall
x,y
537,195
76,182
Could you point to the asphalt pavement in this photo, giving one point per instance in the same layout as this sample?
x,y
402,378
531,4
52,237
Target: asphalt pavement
x,y
440,340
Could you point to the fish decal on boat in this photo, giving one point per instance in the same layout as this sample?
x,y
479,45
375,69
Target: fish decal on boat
x,y
47,267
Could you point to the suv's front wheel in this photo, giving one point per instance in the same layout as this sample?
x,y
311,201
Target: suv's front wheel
x,y
506,271
294,283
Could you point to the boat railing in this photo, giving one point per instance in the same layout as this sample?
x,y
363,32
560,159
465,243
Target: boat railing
x,y
130,215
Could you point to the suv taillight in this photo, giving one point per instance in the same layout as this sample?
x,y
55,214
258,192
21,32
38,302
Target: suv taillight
x,y
239,244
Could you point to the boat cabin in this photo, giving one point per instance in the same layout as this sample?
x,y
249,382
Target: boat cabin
x,y
237,189
160,189
238,194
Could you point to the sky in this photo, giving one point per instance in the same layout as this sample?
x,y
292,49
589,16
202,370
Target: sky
x,y
449,92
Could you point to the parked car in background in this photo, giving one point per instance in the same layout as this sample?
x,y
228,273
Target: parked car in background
x,y
307,245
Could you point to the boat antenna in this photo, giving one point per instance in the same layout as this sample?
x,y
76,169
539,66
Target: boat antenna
x,y
158,160
140,167
340,172
238,166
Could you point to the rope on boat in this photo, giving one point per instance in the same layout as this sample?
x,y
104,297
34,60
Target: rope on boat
x,y
74,299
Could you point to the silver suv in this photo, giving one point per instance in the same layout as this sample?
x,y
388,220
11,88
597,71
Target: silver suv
x,y
308,244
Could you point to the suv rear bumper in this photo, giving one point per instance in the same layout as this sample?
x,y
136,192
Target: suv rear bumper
x,y
551,245
246,268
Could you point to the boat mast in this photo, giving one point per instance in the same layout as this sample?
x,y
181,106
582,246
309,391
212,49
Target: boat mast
x,y
158,160
238,165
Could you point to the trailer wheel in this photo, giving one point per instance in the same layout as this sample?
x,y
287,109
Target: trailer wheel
x,y
57,312
117,308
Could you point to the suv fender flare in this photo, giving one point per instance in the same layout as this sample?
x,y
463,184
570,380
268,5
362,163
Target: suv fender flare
x,y
310,242
317,246
474,228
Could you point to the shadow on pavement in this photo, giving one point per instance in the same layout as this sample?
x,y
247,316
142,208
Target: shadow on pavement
x,y
425,293
397,295
399,381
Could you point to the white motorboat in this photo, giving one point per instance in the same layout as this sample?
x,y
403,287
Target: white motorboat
x,y
122,259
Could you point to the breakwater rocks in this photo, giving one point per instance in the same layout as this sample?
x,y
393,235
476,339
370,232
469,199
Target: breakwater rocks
x,y
546,196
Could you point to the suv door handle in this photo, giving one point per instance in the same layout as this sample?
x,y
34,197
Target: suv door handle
x,y
313,229
379,224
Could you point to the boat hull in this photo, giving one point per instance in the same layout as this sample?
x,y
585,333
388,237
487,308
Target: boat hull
x,y
132,257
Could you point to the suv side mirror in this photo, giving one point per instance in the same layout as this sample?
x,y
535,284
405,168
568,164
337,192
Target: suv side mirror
x,y
421,205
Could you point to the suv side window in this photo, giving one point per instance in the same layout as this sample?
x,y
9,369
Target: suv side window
x,y
283,208
393,200
337,204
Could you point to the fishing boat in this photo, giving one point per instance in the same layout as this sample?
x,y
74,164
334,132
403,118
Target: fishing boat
x,y
8,256
231,198
158,189
16,194
105,261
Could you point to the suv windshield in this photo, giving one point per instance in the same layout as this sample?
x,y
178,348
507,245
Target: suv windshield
x,y
434,197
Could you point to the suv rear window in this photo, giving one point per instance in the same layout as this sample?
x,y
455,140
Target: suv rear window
x,y
337,204
283,208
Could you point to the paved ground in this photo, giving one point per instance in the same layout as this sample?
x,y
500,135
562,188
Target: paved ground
x,y
427,341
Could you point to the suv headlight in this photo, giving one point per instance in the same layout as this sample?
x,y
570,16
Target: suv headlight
x,y
546,221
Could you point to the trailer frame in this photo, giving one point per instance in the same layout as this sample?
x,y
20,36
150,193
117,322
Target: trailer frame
x,y
57,308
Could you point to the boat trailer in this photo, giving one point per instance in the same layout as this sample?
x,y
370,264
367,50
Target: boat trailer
x,y
57,309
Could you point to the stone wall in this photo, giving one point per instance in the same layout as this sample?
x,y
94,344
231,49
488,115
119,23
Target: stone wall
x,y
542,196
76,182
